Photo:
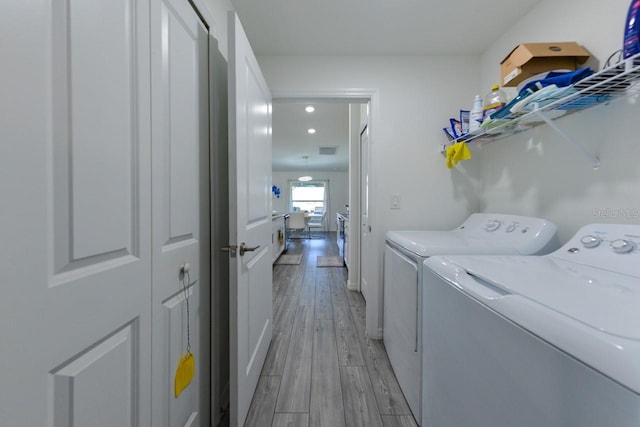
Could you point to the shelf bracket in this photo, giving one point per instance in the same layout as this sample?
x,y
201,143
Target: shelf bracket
x,y
594,159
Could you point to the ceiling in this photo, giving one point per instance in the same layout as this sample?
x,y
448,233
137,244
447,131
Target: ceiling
x,y
292,141
377,27
357,27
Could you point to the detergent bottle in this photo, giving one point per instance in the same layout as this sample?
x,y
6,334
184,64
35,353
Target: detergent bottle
x,y
494,101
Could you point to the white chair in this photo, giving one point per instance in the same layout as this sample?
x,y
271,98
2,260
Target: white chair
x,y
317,222
296,222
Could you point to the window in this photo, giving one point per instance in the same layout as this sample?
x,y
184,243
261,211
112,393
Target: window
x,y
309,196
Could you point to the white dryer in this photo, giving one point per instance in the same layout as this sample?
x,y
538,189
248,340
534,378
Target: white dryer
x,y
548,341
405,251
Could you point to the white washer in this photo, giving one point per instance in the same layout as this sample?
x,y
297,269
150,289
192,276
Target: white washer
x,y
404,253
548,341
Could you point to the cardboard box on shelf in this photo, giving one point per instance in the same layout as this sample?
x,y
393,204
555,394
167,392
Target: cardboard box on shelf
x,y
529,59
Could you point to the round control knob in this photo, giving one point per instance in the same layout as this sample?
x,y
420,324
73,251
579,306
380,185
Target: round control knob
x,y
622,246
492,225
511,228
590,241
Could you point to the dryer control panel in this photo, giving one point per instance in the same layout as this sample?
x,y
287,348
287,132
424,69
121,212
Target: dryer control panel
x,y
527,235
614,247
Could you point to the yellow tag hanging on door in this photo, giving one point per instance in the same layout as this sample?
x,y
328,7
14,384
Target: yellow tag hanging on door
x,y
184,374
187,364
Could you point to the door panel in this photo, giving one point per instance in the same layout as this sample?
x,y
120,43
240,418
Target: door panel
x,y
180,203
112,365
91,140
74,302
100,134
250,220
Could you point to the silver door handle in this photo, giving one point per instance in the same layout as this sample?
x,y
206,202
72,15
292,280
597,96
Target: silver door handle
x,y
244,248
232,249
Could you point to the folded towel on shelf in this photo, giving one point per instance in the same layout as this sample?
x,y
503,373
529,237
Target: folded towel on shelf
x,y
553,83
457,152
559,78
543,97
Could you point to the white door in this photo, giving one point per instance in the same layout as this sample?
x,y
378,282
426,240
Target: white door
x,y
366,256
180,174
75,258
250,220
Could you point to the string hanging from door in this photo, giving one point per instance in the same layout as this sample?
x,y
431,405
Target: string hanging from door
x,y
187,364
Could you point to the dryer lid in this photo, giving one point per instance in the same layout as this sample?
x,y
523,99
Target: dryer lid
x,y
482,234
427,243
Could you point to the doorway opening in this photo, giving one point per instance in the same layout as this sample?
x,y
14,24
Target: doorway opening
x,y
359,112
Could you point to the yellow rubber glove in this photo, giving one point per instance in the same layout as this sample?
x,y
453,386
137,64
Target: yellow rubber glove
x,y
457,152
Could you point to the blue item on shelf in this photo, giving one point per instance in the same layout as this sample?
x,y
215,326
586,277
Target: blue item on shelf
x,y
560,79
631,43
456,127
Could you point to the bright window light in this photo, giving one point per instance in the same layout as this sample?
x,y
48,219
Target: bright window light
x,y
308,196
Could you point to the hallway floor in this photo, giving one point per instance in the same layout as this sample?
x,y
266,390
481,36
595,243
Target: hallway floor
x,y
321,370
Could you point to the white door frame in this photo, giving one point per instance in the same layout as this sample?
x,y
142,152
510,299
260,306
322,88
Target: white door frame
x,y
374,299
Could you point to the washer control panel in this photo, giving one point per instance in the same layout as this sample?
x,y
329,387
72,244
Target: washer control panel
x,y
614,247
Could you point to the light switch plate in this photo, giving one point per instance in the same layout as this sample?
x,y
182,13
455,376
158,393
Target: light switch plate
x,y
394,202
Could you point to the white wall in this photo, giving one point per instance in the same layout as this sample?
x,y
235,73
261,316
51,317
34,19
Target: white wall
x,y
416,96
338,191
219,9
538,173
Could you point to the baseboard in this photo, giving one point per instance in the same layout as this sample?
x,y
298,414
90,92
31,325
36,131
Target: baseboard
x,y
352,286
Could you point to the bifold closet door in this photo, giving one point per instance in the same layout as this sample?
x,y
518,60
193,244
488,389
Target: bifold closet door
x,y
180,209
75,258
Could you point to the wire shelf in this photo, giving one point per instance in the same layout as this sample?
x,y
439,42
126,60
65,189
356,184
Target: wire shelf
x,y
604,86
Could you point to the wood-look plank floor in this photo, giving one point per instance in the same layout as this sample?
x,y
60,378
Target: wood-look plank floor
x,y
321,370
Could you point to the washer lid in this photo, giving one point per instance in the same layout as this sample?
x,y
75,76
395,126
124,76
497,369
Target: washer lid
x,y
426,243
606,301
589,313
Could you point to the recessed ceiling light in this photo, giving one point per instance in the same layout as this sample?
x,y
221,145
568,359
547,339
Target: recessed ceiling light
x,y
309,108
312,131
305,178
